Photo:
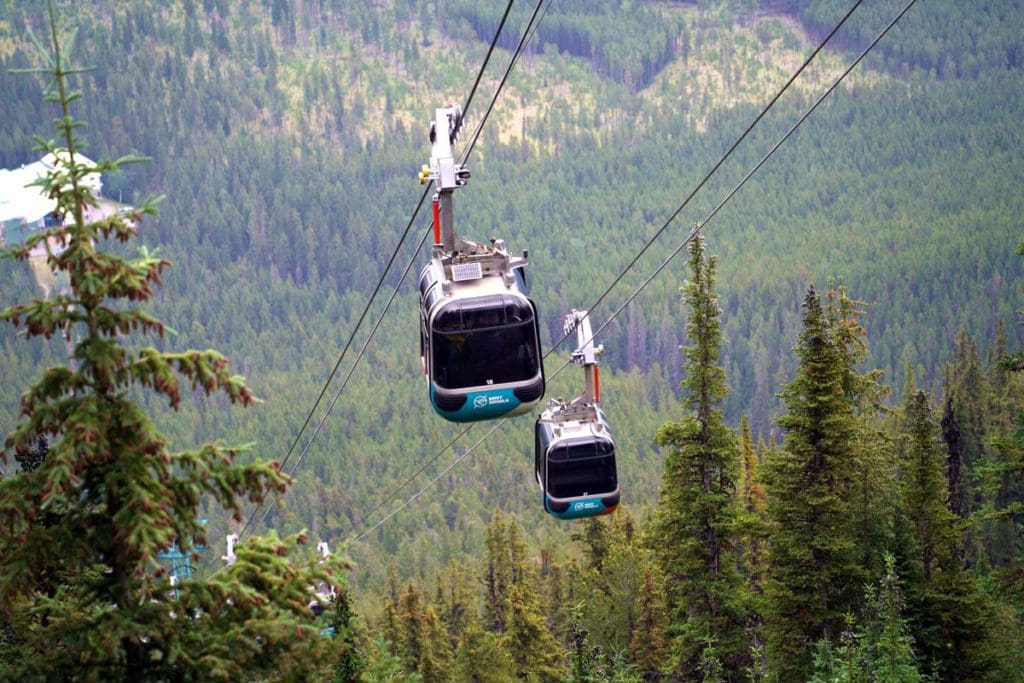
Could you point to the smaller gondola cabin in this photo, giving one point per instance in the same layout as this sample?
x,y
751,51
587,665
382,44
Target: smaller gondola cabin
x,y
575,461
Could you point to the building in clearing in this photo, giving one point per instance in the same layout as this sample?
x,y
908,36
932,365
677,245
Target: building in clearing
x,y
24,208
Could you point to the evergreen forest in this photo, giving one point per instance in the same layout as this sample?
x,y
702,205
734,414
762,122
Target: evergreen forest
x,y
817,401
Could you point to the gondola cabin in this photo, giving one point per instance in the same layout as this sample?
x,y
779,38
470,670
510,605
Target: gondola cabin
x,y
575,461
479,342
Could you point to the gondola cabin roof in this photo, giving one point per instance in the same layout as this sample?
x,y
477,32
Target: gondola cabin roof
x,y
573,421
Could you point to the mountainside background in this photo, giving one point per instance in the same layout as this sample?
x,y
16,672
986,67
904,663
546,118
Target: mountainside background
x,y
286,136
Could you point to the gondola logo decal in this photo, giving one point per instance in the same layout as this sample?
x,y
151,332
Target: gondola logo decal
x,y
482,406
485,400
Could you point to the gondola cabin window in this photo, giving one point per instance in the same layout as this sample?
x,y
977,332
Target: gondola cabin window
x,y
484,341
580,468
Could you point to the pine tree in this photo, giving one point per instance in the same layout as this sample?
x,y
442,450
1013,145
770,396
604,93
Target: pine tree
x,y
560,582
351,661
649,636
694,531
505,554
752,545
454,600
86,591
967,387
1008,446
924,489
873,489
955,465
880,649
609,595
527,638
391,626
948,614
382,666
751,495
436,657
592,533
413,632
480,657
497,573
812,564
584,665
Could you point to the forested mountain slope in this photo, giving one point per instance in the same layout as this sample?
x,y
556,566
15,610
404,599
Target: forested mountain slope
x,y
286,135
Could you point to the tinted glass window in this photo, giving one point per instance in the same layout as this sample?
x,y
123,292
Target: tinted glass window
x,y
486,341
506,353
580,469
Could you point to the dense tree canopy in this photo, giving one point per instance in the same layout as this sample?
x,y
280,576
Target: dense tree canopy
x,y
286,135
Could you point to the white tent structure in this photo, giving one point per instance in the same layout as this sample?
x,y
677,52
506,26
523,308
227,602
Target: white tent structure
x,y
24,208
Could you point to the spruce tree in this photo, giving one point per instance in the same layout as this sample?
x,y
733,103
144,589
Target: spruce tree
x,y
955,465
559,584
481,657
751,494
391,625
436,656
948,614
925,489
412,631
351,660
753,543
811,559
649,641
86,591
382,666
609,595
878,646
969,388
1009,465
497,573
873,489
454,600
536,653
694,533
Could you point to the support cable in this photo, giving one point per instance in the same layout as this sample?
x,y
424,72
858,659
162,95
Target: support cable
x,y
511,65
341,357
433,481
487,58
649,242
693,233
525,39
373,295
721,161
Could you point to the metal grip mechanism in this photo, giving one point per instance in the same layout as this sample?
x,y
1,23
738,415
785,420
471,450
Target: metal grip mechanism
x,y
585,354
450,249
446,174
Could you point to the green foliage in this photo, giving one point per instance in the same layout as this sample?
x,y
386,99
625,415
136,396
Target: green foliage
x,y
276,157
878,646
481,657
526,636
593,31
949,39
649,638
351,660
592,663
81,589
946,611
384,667
608,596
751,496
282,137
694,531
812,563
